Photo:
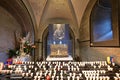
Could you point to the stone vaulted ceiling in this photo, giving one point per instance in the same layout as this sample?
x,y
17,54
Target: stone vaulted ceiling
x,y
40,13
58,11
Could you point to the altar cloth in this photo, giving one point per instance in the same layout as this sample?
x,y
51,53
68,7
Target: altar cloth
x,y
69,58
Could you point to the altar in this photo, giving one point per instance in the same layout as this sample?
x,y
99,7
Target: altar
x,y
59,50
68,58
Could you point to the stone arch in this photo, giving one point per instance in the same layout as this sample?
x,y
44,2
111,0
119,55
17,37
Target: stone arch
x,y
85,22
43,54
22,16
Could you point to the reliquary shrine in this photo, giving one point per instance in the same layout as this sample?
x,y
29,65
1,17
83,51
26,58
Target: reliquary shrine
x,y
59,50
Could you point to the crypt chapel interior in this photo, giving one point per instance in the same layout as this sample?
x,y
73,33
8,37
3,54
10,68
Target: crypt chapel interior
x,y
88,30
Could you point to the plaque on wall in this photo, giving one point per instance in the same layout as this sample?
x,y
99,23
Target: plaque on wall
x,y
59,50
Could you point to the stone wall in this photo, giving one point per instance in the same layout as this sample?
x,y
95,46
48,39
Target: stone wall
x,y
8,25
98,53
88,53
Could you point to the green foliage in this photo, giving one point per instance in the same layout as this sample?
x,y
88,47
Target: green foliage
x,y
28,47
13,53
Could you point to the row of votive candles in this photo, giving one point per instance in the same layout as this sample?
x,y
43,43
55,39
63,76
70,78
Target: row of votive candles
x,y
59,78
98,78
102,63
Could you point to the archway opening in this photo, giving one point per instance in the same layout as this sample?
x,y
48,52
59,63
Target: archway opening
x,y
45,40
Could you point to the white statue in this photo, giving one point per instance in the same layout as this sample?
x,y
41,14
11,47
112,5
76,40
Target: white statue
x,y
59,31
22,43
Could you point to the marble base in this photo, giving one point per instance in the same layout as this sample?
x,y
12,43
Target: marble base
x,y
22,58
69,58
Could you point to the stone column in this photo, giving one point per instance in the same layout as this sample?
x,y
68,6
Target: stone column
x,y
77,50
38,50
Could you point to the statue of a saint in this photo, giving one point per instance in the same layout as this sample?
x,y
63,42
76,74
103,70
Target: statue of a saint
x,y
22,43
59,32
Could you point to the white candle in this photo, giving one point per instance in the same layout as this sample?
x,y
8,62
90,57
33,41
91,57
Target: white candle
x,y
78,77
23,74
27,74
31,74
68,77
